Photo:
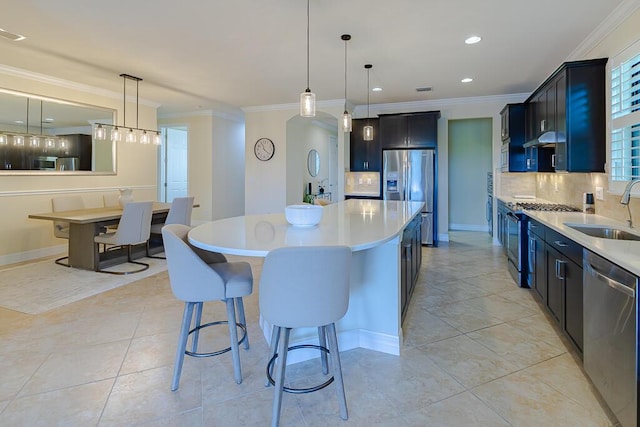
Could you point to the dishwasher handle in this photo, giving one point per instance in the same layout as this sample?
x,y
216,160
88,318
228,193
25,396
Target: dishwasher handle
x,y
614,284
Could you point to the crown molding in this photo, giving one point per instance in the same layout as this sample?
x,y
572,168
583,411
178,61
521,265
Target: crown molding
x,y
293,106
54,81
237,116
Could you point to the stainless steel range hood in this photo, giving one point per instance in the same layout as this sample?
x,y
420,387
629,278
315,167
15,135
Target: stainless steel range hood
x,y
547,139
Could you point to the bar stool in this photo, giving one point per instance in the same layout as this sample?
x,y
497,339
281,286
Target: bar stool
x,y
305,287
194,281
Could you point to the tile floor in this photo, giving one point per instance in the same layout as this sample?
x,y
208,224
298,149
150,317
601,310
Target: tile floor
x,y
478,351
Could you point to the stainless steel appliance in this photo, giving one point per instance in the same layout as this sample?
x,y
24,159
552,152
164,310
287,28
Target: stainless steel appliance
x,y
45,163
67,163
410,175
611,335
516,235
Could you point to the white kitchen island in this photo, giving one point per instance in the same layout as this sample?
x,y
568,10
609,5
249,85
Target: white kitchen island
x,y
373,231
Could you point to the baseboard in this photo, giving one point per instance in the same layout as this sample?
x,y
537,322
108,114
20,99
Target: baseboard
x,y
33,254
468,227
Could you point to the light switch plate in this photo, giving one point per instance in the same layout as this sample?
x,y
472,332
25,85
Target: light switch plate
x,y
599,193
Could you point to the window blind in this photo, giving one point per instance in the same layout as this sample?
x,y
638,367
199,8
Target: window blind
x,y
625,120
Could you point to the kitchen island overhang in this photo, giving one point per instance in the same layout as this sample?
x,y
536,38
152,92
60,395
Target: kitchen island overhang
x,y
371,228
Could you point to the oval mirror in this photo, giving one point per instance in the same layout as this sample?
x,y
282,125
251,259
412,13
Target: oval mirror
x,y
313,162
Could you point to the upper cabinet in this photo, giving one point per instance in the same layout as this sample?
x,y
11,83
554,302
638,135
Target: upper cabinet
x,y
410,130
567,114
365,156
513,137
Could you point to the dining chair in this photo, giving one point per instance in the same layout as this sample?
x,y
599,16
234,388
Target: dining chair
x,y
179,213
134,228
60,228
111,200
305,287
194,281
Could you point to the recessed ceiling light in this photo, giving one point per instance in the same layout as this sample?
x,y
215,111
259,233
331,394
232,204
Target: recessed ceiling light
x,y
376,89
472,39
467,80
11,36
20,122
48,119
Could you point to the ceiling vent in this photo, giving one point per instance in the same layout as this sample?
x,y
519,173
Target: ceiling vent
x,y
11,36
424,89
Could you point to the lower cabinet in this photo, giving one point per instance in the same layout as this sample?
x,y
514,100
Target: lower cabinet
x,y
410,261
555,275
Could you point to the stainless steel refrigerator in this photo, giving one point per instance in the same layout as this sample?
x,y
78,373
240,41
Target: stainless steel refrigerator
x,y
410,175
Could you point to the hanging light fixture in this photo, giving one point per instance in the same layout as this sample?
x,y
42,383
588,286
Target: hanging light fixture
x,y
368,129
346,117
308,98
132,132
4,140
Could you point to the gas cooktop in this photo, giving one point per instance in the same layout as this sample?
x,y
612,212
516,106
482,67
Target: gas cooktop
x,y
548,207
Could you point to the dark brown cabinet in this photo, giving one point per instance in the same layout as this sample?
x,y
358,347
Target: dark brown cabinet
x,y
536,261
411,260
364,155
512,119
409,130
566,115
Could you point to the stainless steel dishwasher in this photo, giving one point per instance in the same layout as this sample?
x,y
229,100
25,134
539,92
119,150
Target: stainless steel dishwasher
x,y
611,335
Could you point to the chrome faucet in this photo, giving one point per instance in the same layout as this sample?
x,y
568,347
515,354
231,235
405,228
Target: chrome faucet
x,y
626,196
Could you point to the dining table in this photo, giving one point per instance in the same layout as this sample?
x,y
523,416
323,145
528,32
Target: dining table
x,y
371,228
85,224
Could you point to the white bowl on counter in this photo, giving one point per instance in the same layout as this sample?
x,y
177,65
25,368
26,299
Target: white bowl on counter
x,y
303,215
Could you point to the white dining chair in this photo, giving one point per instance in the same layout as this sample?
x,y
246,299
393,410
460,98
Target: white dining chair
x,y
134,228
179,213
60,228
111,200
194,280
305,287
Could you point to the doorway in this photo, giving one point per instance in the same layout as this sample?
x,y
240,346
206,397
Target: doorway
x,y
172,170
470,144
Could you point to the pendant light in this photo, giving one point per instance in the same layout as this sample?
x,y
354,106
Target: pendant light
x,y
346,117
308,98
368,129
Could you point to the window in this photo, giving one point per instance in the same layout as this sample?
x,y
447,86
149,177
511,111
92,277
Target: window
x,y
625,118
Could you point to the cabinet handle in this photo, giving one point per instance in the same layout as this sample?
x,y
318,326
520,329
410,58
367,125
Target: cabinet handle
x,y
366,165
561,243
543,125
528,163
559,265
553,160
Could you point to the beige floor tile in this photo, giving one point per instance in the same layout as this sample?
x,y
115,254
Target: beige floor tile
x,y
77,366
148,352
145,396
191,418
469,362
463,409
74,406
15,370
523,400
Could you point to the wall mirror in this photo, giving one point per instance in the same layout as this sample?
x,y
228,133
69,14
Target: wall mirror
x,y
313,162
40,135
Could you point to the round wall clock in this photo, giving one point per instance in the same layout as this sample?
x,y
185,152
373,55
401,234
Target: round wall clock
x,y
264,149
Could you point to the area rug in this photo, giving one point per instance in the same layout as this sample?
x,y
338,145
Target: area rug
x,y
37,287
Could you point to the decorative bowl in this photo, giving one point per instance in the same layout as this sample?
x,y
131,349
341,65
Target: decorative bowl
x,y
303,215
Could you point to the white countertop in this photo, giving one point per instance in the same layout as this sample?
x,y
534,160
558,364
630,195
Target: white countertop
x,y
625,253
359,224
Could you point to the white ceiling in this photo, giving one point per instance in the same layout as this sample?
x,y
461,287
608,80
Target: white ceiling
x,y
200,54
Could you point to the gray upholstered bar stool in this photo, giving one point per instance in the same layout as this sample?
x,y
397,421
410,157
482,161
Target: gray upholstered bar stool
x,y
305,287
194,280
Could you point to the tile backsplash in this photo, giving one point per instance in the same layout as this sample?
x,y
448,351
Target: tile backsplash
x,y
568,188
362,183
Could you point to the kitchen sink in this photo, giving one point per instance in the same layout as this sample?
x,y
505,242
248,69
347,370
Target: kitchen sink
x,y
604,232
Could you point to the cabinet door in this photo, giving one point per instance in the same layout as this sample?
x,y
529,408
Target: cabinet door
x,y
393,131
560,160
555,267
573,314
548,122
537,265
422,130
364,155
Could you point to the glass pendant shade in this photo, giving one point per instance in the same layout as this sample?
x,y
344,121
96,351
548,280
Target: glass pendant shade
x,y
157,139
116,134
145,138
34,142
49,142
131,136
346,121
3,139
18,140
368,133
100,133
63,144
307,104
